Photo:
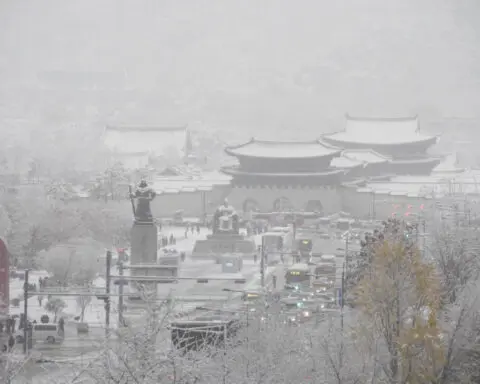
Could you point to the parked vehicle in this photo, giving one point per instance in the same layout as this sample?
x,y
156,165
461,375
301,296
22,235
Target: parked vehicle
x,y
50,333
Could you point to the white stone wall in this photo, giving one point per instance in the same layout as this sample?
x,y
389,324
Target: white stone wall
x,y
165,205
360,204
265,197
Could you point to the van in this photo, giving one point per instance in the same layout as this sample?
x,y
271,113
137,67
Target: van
x,y
49,333
328,259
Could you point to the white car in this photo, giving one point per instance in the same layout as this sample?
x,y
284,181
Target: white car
x,y
49,333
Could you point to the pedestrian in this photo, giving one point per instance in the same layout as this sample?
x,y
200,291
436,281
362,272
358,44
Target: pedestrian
x,y
171,239
198,228
274,281
11,343
255,258
40,299
192,229
61,326
186,232
282,258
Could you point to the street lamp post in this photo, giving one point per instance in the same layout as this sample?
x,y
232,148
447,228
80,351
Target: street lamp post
x,y
108,265
262,263
25,311
342,302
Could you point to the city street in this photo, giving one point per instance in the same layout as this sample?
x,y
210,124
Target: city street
x,y
187,294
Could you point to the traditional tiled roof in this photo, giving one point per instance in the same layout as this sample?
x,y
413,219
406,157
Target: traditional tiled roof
x,y
435,185
157,141
365,155
379,131
237,171
346,163
283,149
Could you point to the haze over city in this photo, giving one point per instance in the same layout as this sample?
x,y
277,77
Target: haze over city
x,y
239,191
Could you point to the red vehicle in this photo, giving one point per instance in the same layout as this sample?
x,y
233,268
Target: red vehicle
x,y
4,280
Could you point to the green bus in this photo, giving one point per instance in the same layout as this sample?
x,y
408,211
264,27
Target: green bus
x,y
298,276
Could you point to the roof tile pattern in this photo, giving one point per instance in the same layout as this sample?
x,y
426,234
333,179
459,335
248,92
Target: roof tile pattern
x,y
283,150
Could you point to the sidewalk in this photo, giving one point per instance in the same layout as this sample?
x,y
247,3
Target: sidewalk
x,y
183,244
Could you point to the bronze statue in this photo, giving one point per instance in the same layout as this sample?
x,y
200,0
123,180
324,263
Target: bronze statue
x,y
144,195
225,220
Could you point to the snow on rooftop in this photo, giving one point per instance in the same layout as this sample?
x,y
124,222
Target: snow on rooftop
x,y
435,185
345,162
386,131
286,149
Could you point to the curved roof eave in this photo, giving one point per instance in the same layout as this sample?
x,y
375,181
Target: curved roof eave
x,y
140,129
386,119
345,143
330,150
236,172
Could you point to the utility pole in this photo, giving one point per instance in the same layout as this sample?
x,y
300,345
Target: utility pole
x,y
25,312
294,234
424,238
107,291
342,302
120,293
262,263
347,241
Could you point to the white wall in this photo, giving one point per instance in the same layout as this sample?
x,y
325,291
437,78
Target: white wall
x,y
265,197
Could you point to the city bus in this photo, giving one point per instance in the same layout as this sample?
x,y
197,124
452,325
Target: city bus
x,y
298,276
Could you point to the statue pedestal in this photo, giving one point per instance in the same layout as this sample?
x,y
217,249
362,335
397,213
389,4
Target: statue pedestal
x,y
217,245
144,251
144,244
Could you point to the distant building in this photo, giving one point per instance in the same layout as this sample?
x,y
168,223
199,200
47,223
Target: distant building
x,y
274,176
398,139
139,147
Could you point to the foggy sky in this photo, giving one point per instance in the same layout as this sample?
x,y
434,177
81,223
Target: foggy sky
x,y
259,65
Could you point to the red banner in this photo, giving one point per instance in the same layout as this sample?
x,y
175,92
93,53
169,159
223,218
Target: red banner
x,y
4,279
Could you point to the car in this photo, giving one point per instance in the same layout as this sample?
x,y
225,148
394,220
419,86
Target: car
x,y
328,258
49,333
290,318
322,284
324,236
